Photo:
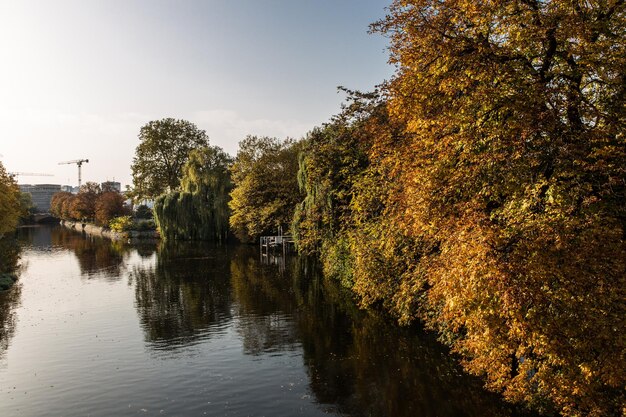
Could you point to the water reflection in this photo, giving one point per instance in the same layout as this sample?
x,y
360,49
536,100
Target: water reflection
x,y
9,253
183,295
9,299
95,255
351,362
265,303
356,361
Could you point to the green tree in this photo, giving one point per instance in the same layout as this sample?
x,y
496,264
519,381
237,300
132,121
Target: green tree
x,y
143,212
10,206
26,204
207,177
332,159
161,154
200,210
265,186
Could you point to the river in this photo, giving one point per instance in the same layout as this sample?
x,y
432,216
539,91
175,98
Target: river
x,y
99,328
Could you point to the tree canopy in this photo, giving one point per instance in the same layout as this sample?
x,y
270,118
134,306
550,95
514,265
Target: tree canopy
x,y
108,205
332,160
487,196
10,202
161,154
90,204
266,188
511,178
200,209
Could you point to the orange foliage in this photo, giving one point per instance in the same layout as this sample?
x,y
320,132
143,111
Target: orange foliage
x,y
510,181
108,205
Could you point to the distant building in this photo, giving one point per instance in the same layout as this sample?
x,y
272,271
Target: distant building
x,y
146,202
111,186
69,189
41,194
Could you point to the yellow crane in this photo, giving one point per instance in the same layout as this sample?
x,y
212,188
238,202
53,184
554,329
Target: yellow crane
x,y
79,163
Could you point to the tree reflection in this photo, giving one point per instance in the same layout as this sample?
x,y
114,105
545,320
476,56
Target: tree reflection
x,y
9,299
183,295
95,255
265,304
358,362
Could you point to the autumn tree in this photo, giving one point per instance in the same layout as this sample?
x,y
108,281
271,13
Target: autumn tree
x,y
511,178
83,205
57,201
10,206
109,204
265,186
163,150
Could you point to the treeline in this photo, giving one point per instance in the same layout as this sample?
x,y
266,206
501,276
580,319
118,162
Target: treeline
x,y
91,204
14,207
200,192
481,191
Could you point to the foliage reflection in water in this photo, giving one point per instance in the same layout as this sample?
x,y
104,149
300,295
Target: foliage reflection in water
x,y
9,299
222,333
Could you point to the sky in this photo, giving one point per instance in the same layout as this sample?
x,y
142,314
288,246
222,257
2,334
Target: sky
x,y
78,79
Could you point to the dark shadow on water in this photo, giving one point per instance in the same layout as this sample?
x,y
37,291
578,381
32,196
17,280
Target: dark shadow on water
x,y
10,251
358,363
9,301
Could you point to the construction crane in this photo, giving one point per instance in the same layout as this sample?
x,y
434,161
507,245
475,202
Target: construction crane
x,y
29,174
79,163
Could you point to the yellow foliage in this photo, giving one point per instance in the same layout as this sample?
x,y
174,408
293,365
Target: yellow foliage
x,y
509,181
10,207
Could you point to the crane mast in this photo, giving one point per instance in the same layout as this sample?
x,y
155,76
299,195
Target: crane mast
x,y
79,163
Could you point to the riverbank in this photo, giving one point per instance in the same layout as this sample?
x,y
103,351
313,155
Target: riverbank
x,y
7,280
128,236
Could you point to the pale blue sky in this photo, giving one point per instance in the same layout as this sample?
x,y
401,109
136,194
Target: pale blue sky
x,y
79,78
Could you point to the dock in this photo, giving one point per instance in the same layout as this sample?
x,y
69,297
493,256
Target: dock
x,y
284,242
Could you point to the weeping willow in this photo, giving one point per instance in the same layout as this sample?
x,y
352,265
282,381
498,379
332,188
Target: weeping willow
x,y
199,211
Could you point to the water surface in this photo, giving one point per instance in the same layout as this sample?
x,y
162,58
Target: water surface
x,y
97,328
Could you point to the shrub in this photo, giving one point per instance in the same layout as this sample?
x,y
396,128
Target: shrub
x,y
6,281
143,212
121,224
144,225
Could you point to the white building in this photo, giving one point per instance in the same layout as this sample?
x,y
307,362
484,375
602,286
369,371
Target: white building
x,y
41,194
